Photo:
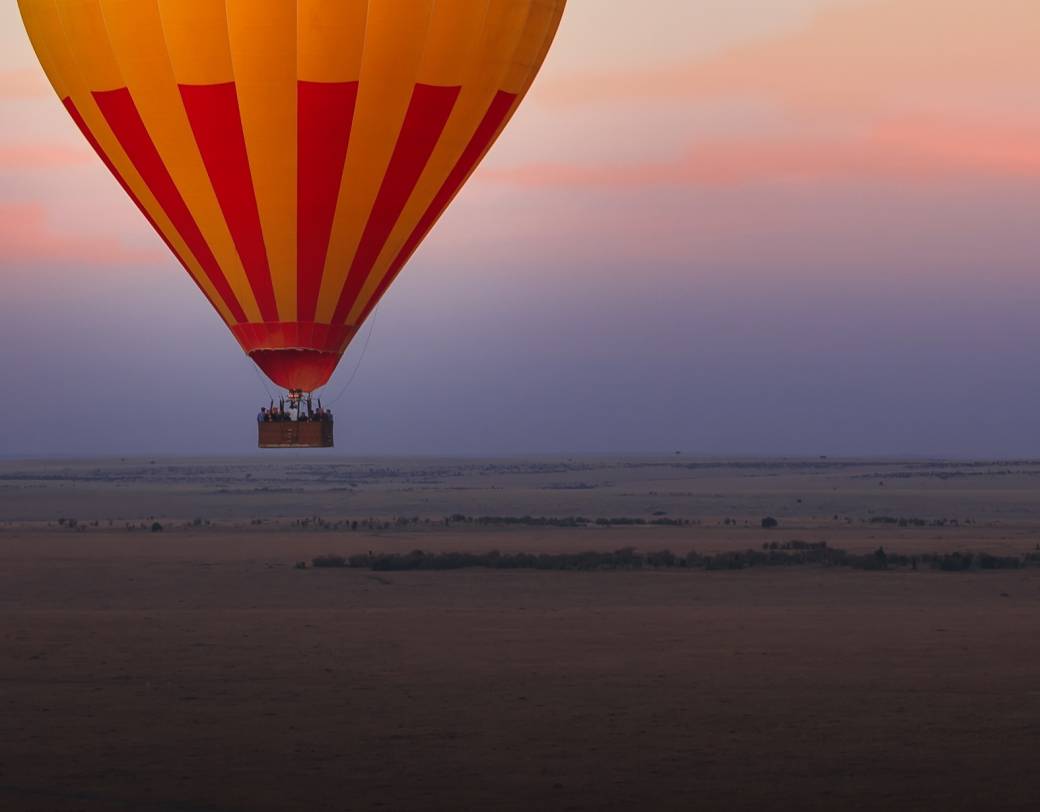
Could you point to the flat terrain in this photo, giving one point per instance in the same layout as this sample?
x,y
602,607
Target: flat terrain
x,y
196,669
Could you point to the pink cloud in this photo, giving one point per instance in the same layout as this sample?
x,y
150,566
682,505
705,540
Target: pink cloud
x,y
914,148
912,90
24,84
949,146
42,156
27,237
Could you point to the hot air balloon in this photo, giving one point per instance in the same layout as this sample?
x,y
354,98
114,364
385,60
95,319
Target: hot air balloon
x,y
292,154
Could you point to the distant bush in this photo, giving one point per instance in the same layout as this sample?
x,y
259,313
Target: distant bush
x,y
794,544
329,561
156,527
769,523
531,521
912,521
961,562
789,554
456,519
660,519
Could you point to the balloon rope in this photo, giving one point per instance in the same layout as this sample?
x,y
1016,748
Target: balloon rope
x,y
260,377
357,366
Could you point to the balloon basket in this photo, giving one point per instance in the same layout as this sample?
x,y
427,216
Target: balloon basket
x,y
295,423
295,435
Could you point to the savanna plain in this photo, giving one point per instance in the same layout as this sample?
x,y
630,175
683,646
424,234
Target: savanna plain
x,y
169,644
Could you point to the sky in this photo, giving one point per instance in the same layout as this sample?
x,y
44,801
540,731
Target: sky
x,y
713,227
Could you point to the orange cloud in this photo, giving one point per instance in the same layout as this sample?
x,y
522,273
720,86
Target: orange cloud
x,y
28,238
876,56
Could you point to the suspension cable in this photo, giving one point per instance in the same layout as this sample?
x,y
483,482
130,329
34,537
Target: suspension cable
x,y
256,369
357,366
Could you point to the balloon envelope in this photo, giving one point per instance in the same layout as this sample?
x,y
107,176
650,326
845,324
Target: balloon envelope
x,y
292,154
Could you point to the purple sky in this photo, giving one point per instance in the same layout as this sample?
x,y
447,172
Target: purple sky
x,y
711,228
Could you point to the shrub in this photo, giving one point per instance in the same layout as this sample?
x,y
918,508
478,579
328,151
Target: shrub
x,y
789,554
329,560
156,527
768,523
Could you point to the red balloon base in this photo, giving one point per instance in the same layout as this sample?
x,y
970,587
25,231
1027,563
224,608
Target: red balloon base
x,y
305,370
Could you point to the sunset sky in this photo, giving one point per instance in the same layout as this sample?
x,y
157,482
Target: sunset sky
x,y
720,226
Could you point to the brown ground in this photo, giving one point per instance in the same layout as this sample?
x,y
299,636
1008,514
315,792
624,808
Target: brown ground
x,y
195,669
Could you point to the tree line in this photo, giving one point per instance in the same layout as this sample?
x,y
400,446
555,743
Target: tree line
x,y
773,554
